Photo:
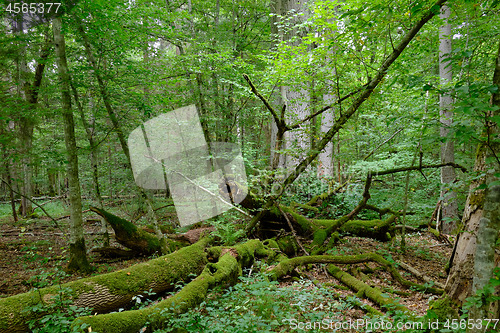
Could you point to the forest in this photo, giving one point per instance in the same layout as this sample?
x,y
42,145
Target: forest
x,y
249,166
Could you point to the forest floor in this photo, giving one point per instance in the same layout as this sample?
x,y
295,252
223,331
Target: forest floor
x,y
34,252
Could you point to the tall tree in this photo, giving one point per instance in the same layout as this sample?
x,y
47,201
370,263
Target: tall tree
x,y
78,253
28,91
474,254
295,98
449,220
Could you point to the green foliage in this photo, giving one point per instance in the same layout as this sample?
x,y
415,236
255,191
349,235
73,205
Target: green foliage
x,y
142,300
256,304
56,315
485,296
227,228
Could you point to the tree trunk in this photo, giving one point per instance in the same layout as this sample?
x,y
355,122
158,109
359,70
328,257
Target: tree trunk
x,y
128,235
474,254
448,223
78,253
339,123
326,162
223,272
107,292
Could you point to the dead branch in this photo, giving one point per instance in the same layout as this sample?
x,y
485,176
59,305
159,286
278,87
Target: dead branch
x,y
418,274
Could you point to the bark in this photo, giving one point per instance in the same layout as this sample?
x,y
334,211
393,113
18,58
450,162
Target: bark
x,y
449,222
326,162
107,292
224,272
78,253
474,251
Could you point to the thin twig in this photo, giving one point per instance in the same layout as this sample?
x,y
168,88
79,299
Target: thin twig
x,y
383,143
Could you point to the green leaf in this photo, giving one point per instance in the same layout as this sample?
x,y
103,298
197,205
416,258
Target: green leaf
x,y
427,87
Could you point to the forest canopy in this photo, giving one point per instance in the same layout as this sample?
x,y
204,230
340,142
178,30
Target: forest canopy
x,y
249,165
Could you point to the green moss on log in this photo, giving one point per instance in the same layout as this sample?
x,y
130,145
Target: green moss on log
x,y
444,308
319,237
225,271
377,229
129,235
109,291
285,267
288,245
365,290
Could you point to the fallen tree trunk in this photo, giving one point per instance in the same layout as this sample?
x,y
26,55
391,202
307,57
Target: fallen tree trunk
x,y
285,267
320,229
110,291
364,290
225,271
138,240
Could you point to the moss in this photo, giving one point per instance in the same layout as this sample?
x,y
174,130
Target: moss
x,y
161,273
334,239
308,207
377,229
273,250
129,235
288,245
319,237
225,271
444,308
362,288
477,198
78,257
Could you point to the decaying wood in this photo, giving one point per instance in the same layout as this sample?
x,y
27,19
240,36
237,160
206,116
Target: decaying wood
x,y
114,252
110,291
287,266
419,274
128,235
364,290
225,271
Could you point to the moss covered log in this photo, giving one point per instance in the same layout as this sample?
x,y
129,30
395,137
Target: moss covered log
x,y
320,229
285,267
108,291
382,230
138,240
225,271
364,290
